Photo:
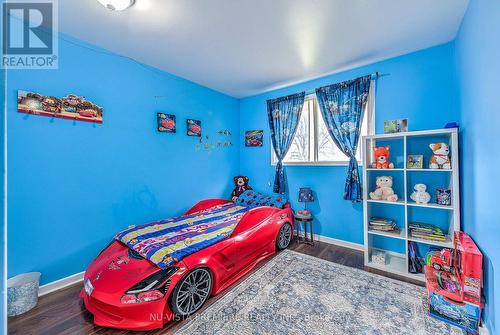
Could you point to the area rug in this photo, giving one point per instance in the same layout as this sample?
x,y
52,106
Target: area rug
x,y
299,294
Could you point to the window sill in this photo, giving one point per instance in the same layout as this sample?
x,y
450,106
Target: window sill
x,y
317,164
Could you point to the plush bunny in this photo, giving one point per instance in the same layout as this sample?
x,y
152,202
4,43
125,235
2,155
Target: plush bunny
x,y
420,196
384,190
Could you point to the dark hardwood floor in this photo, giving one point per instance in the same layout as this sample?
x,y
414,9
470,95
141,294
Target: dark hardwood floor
x,y
62,312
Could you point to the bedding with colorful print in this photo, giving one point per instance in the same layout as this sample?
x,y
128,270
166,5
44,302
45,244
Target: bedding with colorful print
x,y
167,241
251,198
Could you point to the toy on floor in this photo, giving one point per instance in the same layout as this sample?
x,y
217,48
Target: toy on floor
x,y
241,183
442,260
454,279
420,196
441,158
414,261
447,281
382,158
384,190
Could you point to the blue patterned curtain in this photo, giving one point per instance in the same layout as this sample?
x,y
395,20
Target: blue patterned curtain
x,y
342,106
284,115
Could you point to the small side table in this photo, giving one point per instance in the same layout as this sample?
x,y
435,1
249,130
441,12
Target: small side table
x,y
305,221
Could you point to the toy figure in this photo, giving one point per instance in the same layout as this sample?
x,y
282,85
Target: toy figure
x,y
420,196
440,159
382,158
241,183
384,190
443,196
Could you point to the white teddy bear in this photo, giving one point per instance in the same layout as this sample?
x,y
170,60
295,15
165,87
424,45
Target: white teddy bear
x,y
420,196
384,190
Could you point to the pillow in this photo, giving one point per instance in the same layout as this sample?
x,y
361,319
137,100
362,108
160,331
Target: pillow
x,y
251,198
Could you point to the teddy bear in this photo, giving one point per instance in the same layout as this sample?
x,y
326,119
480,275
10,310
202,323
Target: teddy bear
x,y
420,196
241,183
382,158
440,159
384,189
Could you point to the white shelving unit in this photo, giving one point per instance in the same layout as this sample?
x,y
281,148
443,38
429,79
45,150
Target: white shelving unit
x,y
409,143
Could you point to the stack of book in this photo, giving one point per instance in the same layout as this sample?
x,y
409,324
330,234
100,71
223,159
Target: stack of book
x,y
383,224
426,231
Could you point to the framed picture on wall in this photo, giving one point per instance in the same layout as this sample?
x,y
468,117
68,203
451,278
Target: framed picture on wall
x,y
395,126
193,127
254,138
166,122
72,106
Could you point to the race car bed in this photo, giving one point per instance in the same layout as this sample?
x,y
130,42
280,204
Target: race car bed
x,y
171,267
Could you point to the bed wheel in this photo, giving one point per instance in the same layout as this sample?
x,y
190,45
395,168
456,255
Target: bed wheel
x,y
284,236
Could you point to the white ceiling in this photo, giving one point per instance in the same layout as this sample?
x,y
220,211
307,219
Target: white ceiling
x,y
245,47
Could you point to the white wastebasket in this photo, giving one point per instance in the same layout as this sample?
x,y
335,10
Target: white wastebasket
x,y
22,293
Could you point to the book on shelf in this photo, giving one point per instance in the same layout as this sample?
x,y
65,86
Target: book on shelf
x,y
429,237
426,231
383,224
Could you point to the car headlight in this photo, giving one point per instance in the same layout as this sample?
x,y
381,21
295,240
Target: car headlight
x,y
151,288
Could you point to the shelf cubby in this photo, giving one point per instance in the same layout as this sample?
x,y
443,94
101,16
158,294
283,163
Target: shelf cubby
x,y
394,250
405,210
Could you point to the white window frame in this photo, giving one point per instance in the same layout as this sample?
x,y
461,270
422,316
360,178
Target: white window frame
x,y
313,148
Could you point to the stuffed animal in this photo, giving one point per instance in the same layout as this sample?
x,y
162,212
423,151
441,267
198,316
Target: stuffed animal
x,y
440,159
420,196
384,190
241,183
382,158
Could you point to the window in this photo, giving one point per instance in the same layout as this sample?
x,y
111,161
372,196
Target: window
x,y
313,145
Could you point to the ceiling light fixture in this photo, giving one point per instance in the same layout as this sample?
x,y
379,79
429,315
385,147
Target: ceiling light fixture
x,y
116,4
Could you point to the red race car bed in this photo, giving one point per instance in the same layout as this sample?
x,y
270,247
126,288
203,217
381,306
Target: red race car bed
x,y
152,272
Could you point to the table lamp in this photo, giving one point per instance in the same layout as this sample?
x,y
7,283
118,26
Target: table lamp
x,y
305,196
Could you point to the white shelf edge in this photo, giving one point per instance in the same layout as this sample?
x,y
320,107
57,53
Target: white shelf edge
x,y
400,236
399,202
445,244
375,169
414,204
430,170
443,131
448,243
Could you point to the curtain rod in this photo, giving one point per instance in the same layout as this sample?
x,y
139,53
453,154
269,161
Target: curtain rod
x,y
374,75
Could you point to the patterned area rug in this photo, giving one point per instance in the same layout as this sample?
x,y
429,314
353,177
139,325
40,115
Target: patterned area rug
x,y
299,294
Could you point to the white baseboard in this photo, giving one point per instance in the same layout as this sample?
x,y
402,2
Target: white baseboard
x,y
340,243
60,284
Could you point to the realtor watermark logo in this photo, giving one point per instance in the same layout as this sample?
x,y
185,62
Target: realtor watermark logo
x,y
29,34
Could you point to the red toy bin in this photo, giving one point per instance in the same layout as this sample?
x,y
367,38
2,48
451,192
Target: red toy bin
x,y
470,267
454,287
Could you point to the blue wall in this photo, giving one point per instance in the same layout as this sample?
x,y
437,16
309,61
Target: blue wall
x,y
421,87
73,185
478,53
